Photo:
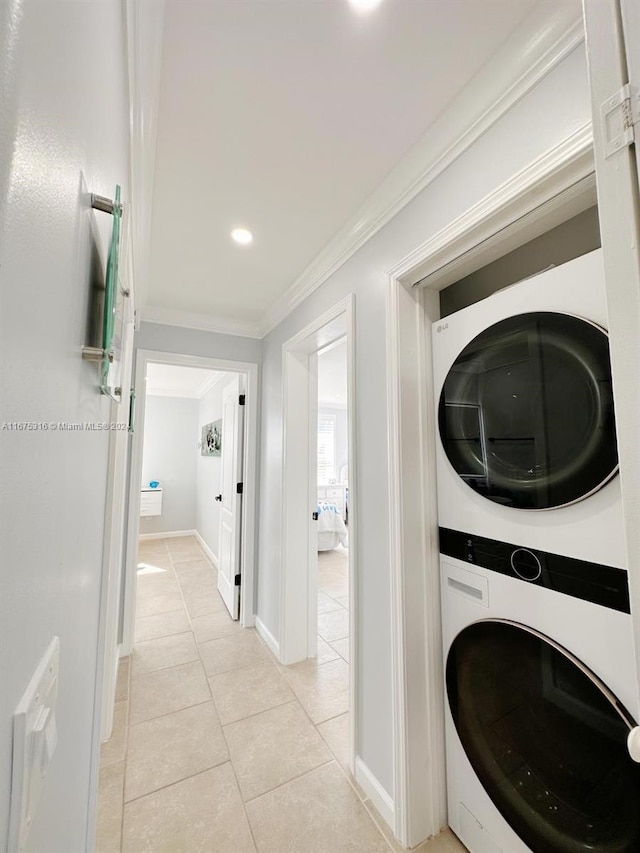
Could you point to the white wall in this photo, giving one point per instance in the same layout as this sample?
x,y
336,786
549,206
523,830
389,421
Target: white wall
x,y
209,469
65,116
555,108
163,338
170,455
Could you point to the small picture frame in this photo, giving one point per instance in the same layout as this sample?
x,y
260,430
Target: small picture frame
x,y
211,444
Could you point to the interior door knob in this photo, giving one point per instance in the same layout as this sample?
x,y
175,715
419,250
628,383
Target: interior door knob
x,y
219,497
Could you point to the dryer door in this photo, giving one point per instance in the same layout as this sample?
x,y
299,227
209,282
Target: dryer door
x,y
526,412
546,739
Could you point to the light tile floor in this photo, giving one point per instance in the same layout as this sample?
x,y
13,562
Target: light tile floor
x,y
216,746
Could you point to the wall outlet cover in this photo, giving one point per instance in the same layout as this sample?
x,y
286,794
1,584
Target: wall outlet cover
x,y
35,739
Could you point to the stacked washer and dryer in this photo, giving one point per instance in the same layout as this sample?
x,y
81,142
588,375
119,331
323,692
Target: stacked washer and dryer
x,y
542,704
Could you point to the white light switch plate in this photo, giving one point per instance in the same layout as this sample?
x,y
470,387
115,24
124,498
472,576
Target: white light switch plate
x,y
34,741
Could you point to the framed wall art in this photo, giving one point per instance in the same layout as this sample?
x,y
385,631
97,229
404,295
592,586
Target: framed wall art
x,y
211,444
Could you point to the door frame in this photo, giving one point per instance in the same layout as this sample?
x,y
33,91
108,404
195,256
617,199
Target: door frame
x,y
613,27
299,376
114,545
248,535
557,185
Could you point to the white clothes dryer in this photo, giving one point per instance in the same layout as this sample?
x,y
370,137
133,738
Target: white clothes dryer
x,y
542,708
527,442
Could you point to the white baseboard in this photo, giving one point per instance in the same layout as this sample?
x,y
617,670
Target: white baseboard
x,y
376,793
172,534
268,637
206,548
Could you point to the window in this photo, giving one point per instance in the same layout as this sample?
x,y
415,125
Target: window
x,y
326,449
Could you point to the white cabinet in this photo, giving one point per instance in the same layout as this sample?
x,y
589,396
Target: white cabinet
x,y
150,502
335,493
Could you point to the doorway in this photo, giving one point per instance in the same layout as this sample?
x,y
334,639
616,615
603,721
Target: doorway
x,y
332,480
528,206
229,545
319,604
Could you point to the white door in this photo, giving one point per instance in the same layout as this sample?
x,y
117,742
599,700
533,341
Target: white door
x,y
231,497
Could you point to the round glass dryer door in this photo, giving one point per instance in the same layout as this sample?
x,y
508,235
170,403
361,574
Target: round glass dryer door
x,y
526,412
545,739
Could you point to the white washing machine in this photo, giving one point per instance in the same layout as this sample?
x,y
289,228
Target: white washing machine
x,y
541,709
527,451
541,701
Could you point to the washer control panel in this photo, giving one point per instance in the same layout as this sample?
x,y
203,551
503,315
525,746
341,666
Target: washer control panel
x,y
593,582
525,564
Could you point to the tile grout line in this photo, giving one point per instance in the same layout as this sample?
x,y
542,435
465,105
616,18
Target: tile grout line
x,y
173,665
352,783
153,615
177,781
346,772
257,713
126,752
330,719
168,713
213,701
332,760
235,776
128,714
129,707
210,700
231,764
193,632
296,700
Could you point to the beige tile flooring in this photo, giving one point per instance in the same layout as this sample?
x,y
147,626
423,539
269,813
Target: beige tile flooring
x,y
216,747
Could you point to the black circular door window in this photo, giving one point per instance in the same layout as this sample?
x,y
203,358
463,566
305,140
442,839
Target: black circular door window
x,y
526,412
545,740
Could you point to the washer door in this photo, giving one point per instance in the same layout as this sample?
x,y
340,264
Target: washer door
x,y
526,411
546,740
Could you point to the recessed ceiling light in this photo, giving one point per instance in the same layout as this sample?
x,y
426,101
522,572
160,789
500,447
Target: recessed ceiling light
x,y
242,236
364,5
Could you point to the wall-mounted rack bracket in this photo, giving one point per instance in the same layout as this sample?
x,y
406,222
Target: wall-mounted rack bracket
x,y
92,353
106,205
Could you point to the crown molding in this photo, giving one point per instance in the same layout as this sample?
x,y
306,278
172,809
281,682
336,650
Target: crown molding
x,y
547,183
549,34
200,321
210,383
197,394
171,394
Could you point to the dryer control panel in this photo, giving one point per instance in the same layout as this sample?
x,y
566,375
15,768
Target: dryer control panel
x,y
593,582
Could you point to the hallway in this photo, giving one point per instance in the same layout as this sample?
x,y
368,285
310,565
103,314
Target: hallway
x,y
216,746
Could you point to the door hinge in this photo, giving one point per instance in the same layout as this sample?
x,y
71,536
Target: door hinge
x,y
237,580
239,488
241,399
314,516
620,113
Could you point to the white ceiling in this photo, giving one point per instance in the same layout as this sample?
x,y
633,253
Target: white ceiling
x,y
170,380
332,375
283,116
